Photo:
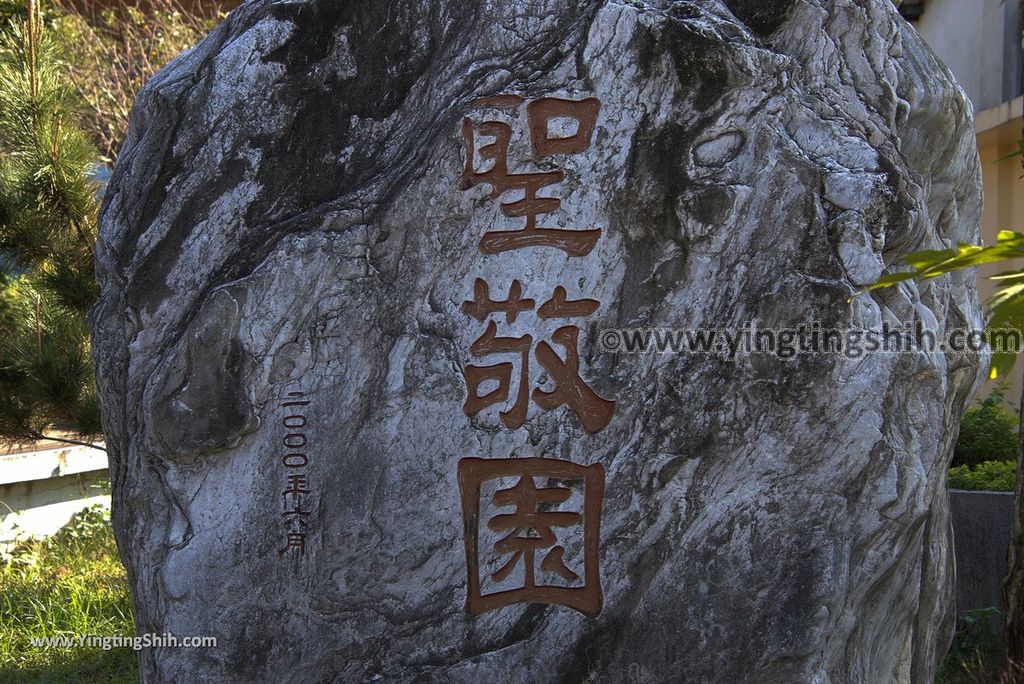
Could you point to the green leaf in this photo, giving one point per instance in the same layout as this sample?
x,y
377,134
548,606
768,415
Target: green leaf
x,y
1007,277
936,262
1002,364
892,279
1016,153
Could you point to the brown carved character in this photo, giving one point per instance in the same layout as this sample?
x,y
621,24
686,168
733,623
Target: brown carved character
x,y
487,344
296,515
572,242
594,412
531,525
559,306
542,110
295,540
527,518
296,486
482,306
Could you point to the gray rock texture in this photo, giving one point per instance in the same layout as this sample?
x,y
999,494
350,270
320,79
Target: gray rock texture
x,y
286,216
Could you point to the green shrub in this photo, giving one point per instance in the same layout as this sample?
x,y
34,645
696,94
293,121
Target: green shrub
x,y
68,78
992,476
987,432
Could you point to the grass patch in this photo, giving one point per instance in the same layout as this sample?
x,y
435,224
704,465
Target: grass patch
x,y
68,585
73,584
975,656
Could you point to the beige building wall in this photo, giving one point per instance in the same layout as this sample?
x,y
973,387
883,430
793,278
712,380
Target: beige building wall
x,y
980,41
999,130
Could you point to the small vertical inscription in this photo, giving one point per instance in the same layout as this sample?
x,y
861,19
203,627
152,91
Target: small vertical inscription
x,y
295,460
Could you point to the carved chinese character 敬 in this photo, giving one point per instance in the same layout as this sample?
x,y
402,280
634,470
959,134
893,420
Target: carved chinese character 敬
x,y
593,411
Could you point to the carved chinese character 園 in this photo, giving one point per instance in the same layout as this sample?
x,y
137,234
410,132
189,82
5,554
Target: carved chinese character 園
x,y
593,411
540,113
533,534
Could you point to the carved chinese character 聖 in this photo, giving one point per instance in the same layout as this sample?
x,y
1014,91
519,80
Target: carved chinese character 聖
x,y
540,112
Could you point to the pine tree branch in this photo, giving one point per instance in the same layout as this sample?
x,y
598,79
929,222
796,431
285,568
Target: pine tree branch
x,y
39,437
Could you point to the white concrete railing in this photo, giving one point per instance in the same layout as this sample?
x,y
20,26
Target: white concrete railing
x,y
41,490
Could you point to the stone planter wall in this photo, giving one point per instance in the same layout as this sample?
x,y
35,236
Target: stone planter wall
x,y
981,532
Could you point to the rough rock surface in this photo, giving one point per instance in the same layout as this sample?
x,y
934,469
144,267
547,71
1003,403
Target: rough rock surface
x,y
286,216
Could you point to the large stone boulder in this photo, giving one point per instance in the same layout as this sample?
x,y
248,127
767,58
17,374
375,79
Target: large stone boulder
x,y
362,265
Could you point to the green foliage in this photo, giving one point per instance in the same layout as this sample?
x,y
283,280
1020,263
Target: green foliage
x,y
66,81
1006,308
974,656
50,203
11,11
9,301
990,476
1016,153
48,211
987,432
70,584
